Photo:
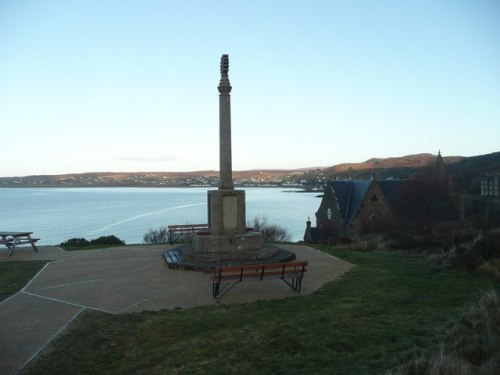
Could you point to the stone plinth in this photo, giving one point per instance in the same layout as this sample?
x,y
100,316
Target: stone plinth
x,y
227,243
226,212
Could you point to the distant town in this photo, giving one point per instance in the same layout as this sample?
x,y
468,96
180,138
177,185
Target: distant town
x,y
467,174
304,179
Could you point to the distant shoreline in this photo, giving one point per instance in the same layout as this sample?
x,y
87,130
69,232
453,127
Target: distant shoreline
x,y
27,186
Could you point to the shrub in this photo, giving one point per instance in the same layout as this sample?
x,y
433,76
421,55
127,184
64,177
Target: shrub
x,y
107,241
75,242
159,235
470,255
83,243
271,232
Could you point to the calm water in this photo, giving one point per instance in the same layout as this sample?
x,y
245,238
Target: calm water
x,y
55,215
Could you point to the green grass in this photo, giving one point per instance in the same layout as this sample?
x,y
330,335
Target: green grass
x,y
367,322
15,275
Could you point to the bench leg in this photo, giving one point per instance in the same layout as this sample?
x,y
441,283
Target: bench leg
x,y
11,248
296,283
219,292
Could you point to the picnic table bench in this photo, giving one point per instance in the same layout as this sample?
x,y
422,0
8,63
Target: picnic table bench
x,y
12,239
226,277
177,231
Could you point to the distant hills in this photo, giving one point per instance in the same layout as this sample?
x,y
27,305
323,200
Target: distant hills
x,y
396,167
465,173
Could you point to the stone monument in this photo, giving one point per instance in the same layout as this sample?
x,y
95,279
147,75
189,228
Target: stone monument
x,y
226,206
228,241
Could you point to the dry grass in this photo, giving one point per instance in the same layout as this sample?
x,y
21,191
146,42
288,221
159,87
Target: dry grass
x,y
471,347
371,242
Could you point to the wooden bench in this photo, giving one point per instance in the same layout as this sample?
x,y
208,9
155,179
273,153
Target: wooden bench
x,y
226,277
177,231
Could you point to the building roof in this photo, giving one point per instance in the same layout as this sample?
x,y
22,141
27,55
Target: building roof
x,y
350,194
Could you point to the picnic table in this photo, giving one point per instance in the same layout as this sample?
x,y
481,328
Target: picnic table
x,y
12,239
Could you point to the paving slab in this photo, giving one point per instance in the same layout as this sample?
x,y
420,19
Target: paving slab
x,y
27,324
121,280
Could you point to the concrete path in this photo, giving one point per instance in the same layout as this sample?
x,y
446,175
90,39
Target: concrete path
x,y
121,280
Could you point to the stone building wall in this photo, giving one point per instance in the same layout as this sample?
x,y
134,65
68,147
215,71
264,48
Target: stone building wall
x,y
374,213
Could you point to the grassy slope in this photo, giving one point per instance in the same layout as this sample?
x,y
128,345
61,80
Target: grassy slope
x,y
15,275
364,323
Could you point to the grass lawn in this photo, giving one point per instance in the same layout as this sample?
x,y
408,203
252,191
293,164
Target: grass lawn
x,y
365,323
15,275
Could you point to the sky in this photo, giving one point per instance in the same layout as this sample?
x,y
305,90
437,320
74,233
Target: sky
x,y
126,86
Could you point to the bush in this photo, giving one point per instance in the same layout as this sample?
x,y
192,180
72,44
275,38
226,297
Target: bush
x,y
75,242
271,232
479,250
159,235
83,243
107,241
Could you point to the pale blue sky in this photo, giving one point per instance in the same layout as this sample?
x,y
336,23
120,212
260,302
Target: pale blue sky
x,y
96,85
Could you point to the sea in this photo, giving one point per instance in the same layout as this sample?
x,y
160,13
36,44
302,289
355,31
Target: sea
x,y
57,214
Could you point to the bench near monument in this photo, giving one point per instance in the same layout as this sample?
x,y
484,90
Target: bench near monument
x,y
178,231
226,277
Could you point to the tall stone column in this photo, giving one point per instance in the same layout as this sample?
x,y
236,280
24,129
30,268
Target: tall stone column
x,y
226,177
226,206
228,241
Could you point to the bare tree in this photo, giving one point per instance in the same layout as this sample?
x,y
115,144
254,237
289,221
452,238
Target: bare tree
x,y
154,236
271,232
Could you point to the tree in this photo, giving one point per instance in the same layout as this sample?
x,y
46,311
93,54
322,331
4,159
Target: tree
x,y
154,236
425,201
271,232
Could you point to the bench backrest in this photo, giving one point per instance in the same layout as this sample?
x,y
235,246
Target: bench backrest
x,y
187,227
261,271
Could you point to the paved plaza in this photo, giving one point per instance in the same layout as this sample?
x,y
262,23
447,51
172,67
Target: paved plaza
x,y
122,280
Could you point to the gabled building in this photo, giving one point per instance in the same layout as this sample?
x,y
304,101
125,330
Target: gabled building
x,y
352,208
348,207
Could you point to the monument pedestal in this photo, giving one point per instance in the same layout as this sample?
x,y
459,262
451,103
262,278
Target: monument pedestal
x,y
226,211
227,226
227,243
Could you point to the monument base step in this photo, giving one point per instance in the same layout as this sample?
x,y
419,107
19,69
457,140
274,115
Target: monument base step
x,y
187,258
